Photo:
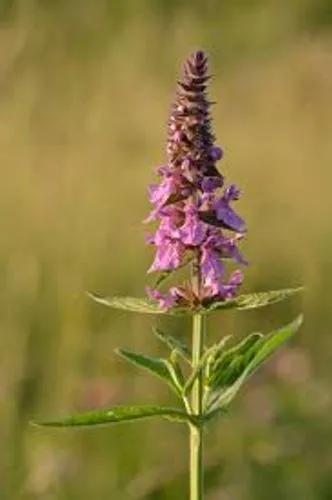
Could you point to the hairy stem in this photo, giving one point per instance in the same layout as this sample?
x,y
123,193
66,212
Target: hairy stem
x,y
196,431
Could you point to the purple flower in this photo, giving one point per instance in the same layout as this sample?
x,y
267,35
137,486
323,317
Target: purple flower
x,y
229,290
230,250
195,219
165,301
193,231
216,153
211,266
168,257
232,193
159,194
219,290
210,184
226,214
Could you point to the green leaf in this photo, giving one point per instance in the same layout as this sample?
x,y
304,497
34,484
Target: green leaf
x,y
174,344
242,366
156,366
133,304
254,300
118,414
229,362
272,342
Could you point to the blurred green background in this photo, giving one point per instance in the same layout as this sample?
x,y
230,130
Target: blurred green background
x,y
85,90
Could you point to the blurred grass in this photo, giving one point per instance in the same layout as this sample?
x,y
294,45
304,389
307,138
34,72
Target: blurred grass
x,y
85,91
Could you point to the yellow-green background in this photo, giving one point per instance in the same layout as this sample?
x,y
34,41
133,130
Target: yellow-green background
x,y
85,89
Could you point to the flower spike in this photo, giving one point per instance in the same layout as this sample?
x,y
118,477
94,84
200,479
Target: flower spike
x,y
191,202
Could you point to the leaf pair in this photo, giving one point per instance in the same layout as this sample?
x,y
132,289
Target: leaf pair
x,y
242,302
224,370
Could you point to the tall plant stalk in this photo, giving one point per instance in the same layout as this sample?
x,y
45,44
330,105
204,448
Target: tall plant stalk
x,y
196,431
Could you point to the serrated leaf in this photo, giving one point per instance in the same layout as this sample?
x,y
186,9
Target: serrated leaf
x,y
254,300
225,367
156,366
132,304
261,351
272,342
174,344
115,415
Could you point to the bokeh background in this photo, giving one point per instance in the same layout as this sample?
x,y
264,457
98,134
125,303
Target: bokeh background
x,y
85,90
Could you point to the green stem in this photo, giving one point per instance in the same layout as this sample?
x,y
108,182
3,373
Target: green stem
x,y
196,431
